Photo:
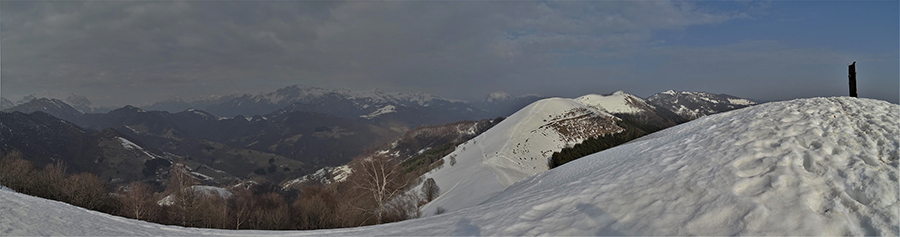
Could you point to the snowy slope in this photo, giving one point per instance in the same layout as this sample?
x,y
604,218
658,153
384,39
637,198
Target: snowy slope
x,y
821,166
383,110
515,149
127,144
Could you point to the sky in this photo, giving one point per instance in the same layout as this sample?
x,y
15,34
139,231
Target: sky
x,y
118,52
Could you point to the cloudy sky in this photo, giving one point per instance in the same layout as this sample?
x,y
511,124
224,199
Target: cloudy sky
x,y
118,53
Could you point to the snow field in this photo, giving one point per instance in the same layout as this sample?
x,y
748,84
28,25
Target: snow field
x,y
823,166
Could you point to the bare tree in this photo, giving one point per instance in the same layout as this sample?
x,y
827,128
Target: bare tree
x,y
271,212
137,200
184,199
86,190
402,207
214,211
315,208
50,181
16,173
430,189
240,205
381,178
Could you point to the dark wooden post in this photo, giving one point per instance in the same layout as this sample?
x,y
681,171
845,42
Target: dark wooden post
x,y
853,79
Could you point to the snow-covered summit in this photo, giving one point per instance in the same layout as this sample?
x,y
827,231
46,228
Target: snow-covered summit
x,y
498,96
515,149
617,102
820,166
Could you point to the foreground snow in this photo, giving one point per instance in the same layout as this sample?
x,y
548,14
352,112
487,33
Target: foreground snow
x,y
822,166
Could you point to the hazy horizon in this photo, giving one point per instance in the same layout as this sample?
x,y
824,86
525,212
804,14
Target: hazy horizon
x,y
138,53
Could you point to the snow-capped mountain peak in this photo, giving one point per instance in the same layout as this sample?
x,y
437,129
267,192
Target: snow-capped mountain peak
x,y
498,96
617,102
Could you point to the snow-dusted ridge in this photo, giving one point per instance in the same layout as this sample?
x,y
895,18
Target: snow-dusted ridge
x,y
127,144
383,110
325,175
820,166
692,105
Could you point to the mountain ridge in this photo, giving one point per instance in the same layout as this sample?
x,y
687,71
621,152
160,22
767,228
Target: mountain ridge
x,y
693,105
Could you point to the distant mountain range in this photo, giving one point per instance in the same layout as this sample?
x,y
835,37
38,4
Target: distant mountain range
x,y
44,139
315,128
276,146
421,108
78,102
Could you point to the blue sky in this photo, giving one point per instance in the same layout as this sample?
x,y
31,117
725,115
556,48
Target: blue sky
x,y
118,53
863,26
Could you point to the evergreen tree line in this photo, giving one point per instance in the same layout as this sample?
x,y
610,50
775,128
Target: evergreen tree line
x,y
634,126
375,193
